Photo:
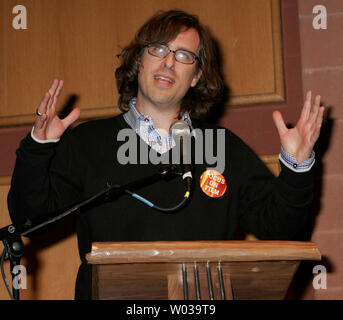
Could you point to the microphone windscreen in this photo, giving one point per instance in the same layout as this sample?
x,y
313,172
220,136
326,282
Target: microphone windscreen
x,y
181,135
179,128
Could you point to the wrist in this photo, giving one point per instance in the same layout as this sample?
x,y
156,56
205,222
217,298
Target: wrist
x,y
41,140
291,162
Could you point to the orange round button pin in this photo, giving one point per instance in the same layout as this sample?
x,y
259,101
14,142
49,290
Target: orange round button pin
x,y
213,183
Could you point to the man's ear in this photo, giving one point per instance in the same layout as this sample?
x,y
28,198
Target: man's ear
x,y
196,78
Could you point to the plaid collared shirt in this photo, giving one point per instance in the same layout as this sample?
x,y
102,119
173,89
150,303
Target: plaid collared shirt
x,y
144,127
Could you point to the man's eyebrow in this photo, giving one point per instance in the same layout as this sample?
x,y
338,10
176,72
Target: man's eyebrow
x,y
185,49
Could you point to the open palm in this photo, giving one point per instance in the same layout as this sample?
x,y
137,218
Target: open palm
x,y
48,125
300,140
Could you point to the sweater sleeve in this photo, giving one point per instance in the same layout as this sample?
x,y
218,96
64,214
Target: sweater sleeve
x,y
269,207
43,180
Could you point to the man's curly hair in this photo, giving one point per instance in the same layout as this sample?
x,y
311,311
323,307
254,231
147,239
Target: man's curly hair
x,y
163,27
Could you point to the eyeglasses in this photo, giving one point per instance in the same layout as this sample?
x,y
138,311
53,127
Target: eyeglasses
x,y
180,55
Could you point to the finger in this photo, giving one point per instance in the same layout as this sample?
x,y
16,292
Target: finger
x,y
53,87
59,88
40,121
315,109
320,116
52,91
317,125
279,123
43,105
72,117
56,95
47,98
305,112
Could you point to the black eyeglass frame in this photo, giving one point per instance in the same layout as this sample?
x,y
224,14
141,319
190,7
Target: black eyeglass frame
x,y
173,51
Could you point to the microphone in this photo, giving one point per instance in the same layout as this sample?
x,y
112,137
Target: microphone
x,y
181,132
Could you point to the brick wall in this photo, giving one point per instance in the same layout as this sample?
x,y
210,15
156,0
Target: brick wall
x,y
322,71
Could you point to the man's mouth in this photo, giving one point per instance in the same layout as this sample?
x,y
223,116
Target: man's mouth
x,y
164,79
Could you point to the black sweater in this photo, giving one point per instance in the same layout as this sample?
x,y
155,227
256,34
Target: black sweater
x,y
48,177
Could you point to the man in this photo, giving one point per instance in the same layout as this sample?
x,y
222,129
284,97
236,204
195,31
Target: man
x,y
168,72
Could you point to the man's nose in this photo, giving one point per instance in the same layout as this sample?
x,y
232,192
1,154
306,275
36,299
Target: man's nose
x,y
169,60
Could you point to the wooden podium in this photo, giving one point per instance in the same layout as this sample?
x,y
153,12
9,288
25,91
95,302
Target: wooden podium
x,y
196,270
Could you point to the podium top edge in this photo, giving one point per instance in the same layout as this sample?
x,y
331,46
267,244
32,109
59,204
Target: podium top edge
x,y
190,251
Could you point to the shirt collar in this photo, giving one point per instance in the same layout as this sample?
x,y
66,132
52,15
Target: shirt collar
x,y
134,116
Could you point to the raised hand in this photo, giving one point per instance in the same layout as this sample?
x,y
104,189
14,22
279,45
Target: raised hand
x,y
48,125
299,141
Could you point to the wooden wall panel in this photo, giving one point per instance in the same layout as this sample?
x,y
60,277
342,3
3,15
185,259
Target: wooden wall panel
x,y
249,35
253,123
3,57
78,41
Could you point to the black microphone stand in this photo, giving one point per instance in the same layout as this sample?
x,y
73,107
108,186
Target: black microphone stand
x,y
11,235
